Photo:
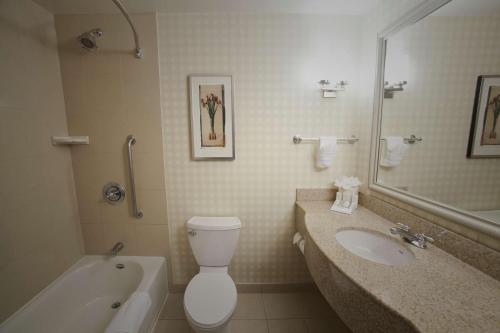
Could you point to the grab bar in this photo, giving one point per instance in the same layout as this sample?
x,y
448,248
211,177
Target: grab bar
x,y
130,142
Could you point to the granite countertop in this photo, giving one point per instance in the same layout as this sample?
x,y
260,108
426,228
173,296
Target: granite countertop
x,y
436,293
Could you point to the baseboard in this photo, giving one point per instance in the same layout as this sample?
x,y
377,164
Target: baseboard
x,y
244,288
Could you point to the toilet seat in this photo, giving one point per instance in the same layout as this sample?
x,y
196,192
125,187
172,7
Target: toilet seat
x,y
210,299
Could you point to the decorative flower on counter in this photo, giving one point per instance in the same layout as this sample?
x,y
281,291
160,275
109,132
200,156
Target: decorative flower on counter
x,y
347,183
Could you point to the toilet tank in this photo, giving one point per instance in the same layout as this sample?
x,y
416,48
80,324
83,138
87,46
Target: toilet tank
x,y
213,240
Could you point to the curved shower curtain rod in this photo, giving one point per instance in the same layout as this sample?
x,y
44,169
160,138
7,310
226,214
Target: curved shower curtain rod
x,y
139,53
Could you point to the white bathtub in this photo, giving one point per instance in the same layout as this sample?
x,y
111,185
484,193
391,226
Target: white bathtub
x,y
80,300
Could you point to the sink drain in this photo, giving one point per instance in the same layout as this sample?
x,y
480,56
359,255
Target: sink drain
x,y
120,266
116,305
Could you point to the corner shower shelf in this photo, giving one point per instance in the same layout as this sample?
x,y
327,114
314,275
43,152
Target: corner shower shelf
x,y
70,140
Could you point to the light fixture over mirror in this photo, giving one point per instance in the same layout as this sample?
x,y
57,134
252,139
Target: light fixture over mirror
x,y
448,54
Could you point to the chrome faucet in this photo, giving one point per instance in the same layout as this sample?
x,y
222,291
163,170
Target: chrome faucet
x,y
419,240
117,248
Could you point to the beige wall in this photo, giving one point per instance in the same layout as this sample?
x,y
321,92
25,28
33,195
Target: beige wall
x,y
445,57
110,94
39,233
276,62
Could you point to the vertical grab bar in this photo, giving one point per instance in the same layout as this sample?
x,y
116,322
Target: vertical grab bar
x,y
130,142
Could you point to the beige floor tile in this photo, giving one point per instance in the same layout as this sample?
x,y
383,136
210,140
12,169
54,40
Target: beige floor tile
x,y
287,326
326,325
250,306
317,306
248,326
283,306
172,326
174,307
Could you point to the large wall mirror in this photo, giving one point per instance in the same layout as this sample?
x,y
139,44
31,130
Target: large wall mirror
x,y
437,122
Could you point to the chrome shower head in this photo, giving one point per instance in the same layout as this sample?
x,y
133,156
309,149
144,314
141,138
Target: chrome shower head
x,y
88,40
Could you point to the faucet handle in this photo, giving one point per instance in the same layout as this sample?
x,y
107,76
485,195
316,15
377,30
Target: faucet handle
x,y
402,226
398,228
425,237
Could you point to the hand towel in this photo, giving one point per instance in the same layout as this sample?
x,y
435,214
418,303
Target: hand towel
x,y
297,238
131,315
394,151
326,152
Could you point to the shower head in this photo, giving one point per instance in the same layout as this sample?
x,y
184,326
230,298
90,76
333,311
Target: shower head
x,y
88,40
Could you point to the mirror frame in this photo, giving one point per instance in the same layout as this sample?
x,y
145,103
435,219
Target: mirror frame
x,y
454,214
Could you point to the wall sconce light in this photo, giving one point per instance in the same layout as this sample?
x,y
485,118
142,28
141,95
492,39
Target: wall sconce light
x,y
331,92
389,89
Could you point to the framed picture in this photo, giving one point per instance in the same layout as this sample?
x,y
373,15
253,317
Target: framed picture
x,y
484,137
212,118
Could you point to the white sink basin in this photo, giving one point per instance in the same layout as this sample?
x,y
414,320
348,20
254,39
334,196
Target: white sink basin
x,y
375,247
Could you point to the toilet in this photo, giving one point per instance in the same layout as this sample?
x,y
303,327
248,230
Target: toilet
x,y
210,297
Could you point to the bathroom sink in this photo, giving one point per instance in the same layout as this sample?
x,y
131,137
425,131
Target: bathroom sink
x,y
375,247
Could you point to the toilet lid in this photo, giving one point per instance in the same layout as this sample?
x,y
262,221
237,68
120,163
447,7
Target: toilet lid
x,y
210,299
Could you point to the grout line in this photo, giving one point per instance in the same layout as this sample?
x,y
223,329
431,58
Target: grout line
x,y
267,325
264,305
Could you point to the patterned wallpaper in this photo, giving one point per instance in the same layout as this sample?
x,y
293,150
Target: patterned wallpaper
x,y
275,61
444,57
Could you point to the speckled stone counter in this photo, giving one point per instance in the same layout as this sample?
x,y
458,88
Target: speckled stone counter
x,y
435,293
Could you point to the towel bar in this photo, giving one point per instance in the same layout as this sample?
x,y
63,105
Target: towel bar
x,y
299,139
411,140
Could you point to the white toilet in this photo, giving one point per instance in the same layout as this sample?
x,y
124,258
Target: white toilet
x,y
210,297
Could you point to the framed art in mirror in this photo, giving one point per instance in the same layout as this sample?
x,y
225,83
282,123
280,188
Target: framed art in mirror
x,y
484,137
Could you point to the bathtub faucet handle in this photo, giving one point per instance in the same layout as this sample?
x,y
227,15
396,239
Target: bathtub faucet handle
x,y
117,248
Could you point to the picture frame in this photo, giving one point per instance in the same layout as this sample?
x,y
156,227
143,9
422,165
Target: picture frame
x,y
211,117
484,135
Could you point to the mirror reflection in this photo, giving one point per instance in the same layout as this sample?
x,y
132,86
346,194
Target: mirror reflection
x,y
440,131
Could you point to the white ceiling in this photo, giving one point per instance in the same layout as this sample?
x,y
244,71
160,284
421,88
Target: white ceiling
x,y
469,8
338,7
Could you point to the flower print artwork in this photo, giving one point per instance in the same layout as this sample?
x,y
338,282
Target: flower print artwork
x,y
212,115
491,129
484,135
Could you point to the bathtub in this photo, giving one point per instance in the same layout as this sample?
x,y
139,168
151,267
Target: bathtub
x,y
81,300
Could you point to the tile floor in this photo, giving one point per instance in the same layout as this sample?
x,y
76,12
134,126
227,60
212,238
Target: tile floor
x,y
264,313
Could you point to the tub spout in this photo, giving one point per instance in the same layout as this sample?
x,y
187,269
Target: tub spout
x,y
117,248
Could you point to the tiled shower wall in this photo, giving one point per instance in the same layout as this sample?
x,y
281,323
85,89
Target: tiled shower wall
x,y
276,62
39,232
437,104
110,94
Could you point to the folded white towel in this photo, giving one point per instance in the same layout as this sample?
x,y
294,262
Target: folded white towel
x,y
131,315
297,238
326,152
395,150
